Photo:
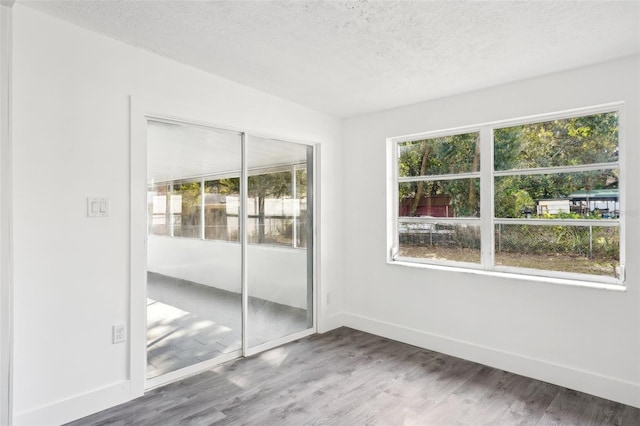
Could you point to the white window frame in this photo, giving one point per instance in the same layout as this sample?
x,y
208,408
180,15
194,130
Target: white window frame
x,y
487,176
443,220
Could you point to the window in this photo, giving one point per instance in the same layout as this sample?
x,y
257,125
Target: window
x,y
209,207
439,198
201,208
157,200
222,209
185,209
544,200
277,207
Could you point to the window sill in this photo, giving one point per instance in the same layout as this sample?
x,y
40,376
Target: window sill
x,y
514,276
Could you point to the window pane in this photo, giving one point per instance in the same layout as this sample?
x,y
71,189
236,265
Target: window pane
x,y
439,241
574,141
300,207
185,208
221,208
591,250
158,220
270,209
583,195
279,280
439,156
440,198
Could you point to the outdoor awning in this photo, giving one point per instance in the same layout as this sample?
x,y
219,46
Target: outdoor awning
x,y
595,195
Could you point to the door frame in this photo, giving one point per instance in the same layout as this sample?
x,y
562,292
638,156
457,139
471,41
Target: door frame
x,y
142,110
6,213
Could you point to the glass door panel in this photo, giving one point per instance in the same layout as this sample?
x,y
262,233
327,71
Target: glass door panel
x,y
194,303
279,233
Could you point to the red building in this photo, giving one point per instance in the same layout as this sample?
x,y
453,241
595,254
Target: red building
x,y
434,206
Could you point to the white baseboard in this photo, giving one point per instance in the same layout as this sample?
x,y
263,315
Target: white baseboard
x,y
76,407
592,383
331,322
583,381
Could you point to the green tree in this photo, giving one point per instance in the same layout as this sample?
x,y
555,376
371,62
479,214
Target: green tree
x,y
190,208
225,186
441,156
558,143
274,185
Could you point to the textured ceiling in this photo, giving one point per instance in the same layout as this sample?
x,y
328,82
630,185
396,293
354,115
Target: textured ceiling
x,y
351,58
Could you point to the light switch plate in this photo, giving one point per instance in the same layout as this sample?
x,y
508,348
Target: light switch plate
x,y
97,207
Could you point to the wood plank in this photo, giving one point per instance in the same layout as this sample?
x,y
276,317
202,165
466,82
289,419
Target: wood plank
x,y
348,377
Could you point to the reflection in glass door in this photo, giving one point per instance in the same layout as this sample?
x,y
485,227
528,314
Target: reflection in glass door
x,y
229,246
279,254
194,303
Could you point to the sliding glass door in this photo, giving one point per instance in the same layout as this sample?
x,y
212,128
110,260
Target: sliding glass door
x,y
279,230
194,311
229,245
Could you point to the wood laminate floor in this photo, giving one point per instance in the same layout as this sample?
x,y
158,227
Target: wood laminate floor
x,y
188,323
348,377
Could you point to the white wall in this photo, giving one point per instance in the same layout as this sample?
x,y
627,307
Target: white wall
x,y
71,140
71,136
277,274
583,338
212,263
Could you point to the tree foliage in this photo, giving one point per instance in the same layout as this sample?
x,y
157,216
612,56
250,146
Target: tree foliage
x,y
569,142
574,141
190,193
227,186
441,156
268,185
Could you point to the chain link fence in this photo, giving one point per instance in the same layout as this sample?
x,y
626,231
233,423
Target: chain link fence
x,y
440,234
588,241
591,250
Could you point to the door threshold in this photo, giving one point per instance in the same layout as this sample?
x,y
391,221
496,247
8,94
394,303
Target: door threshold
x,y
279,342
200,367
191,370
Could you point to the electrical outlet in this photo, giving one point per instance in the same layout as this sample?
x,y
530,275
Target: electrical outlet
x,y
119,333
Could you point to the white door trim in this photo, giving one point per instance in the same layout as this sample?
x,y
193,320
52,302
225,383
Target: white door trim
x,y
141,110
6,238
